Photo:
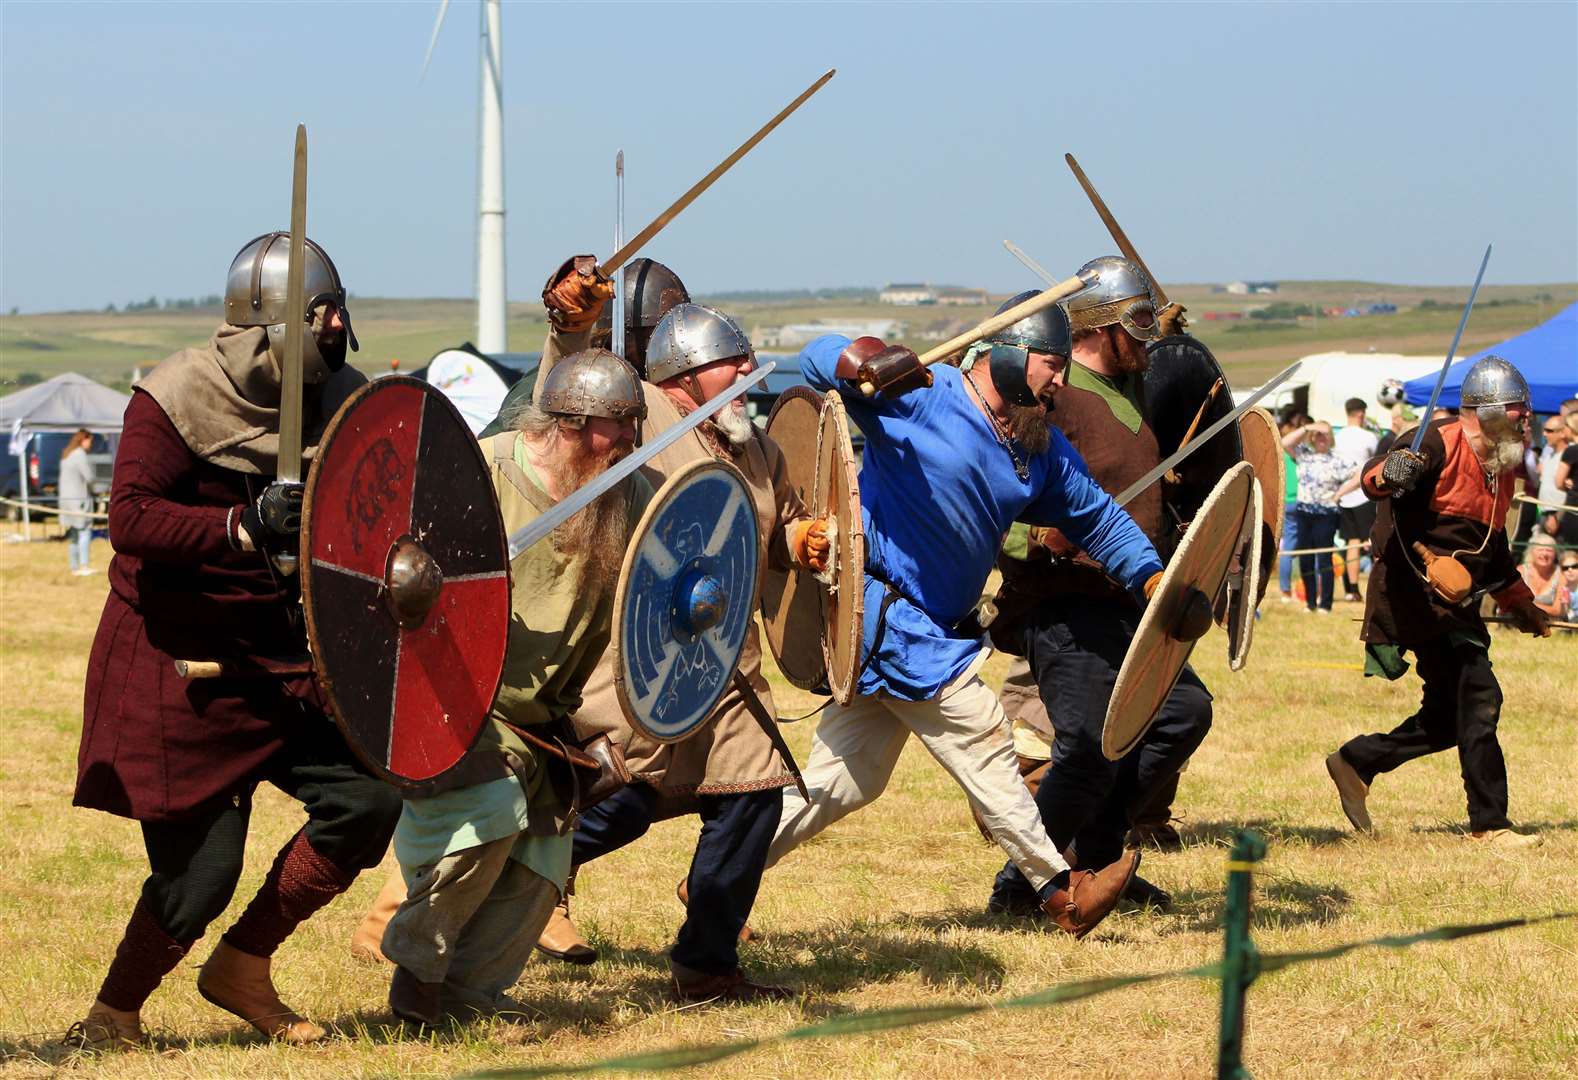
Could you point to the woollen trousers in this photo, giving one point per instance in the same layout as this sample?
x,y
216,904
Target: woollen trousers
x,y
856,747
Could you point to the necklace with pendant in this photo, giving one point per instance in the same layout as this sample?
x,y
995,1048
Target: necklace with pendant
x,y
1021,466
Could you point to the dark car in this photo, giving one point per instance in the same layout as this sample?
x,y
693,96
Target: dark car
x,y
43,468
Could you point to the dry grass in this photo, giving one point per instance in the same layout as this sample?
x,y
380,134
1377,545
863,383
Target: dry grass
x,y
884,910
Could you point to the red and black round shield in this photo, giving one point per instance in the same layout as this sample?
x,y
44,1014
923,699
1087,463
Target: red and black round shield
x,y
405,579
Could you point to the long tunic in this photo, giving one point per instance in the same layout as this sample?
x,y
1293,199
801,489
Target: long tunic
x,y
1456,508
731,753
557,636
154,746
938,491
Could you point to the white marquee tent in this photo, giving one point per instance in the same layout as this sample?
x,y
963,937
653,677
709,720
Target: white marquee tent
x,y
65,403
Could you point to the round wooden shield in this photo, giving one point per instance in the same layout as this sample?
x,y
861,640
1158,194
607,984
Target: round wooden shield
x,y
685,600
793,600
1156,658
405,579
1179,400
1243,587
1257,429
837,498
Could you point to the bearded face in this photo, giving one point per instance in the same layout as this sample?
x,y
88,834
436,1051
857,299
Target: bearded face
x,y
1128,354
734,423
1030,427
600,532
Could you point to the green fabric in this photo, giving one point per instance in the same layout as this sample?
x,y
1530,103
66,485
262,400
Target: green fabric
x,y
1290,489
468,817
1120,392
1387,660
1017,542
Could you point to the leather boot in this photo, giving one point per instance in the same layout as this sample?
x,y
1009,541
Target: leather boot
x,y
683,892
368,940
239,983
1091,895
690,986
413,1000
561,940
105,1030
1352,791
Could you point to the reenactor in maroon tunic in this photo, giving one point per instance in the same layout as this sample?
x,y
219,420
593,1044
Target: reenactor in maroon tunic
x,y
203,538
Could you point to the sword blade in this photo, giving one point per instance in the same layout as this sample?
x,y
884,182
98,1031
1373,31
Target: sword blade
x,y
583,496
1030,264
1435,395
618,258
619,241
1120,237
289,460
1205,436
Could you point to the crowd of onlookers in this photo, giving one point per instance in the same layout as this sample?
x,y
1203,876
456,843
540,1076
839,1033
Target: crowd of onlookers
x,y
1323,502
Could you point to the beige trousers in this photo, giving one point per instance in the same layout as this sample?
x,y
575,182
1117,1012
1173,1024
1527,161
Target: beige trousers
x,y
857,745
471,921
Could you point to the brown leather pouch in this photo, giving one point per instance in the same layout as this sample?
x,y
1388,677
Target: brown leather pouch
x,y
612,774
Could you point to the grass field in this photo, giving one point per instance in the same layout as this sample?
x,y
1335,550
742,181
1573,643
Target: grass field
x,y
885,909
108,346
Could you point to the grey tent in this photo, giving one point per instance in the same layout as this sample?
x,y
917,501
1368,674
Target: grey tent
x,y
65,403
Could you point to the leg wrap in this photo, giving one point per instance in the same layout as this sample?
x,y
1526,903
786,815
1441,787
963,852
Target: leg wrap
x,y
144,957
299,883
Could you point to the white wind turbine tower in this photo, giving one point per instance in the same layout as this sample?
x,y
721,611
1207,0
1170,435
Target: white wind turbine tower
x,y
492,335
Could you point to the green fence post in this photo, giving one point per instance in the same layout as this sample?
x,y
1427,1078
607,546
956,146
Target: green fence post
x,y
1240,958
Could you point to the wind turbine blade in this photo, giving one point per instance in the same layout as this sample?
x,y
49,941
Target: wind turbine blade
x,y
442,8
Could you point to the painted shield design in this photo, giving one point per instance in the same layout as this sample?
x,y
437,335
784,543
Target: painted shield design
x,y
405,583
1156,658
793,600
837,498
685,600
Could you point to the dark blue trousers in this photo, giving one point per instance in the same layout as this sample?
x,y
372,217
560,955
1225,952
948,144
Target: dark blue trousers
x,y
1075,648
725,872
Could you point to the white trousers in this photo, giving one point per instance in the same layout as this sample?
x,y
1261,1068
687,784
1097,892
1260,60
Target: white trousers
x,y
857,745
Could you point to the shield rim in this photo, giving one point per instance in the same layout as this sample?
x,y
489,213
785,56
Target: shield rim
x,y
804,578
325,683
1271,514
1113,746
621,593
852,582
1252,533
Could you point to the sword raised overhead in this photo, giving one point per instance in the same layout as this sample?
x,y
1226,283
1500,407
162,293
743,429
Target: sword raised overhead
x,y
583,496
288,468
1030,264
619,258
618,322
1118,235
1435,395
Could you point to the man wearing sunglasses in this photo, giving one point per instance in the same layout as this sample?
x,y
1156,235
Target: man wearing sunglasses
x,y
1080,628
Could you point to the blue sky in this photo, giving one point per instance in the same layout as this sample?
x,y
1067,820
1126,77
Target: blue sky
x,y
143,143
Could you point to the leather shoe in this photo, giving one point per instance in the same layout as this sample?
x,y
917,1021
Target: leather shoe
x,y
413,1000
1143,893
1160,835
1351,790
105,1030
683,892
1017,903
1091,895
562,941
240,983
1505,838
690,986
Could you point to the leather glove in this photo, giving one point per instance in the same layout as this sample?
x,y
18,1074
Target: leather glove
x,y
1172,321
1528,617
1401,470
890,370
575,295
273,522
810,546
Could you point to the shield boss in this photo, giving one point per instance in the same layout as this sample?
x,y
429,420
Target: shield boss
x,y
405,579
685,599
1156,658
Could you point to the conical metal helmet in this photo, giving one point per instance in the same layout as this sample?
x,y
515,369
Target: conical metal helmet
x,y
651,289
255,296
593,382
1047,331
1494,381
1123,297
692,336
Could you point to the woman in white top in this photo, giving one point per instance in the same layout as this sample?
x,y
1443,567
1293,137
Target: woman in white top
x,y
76,473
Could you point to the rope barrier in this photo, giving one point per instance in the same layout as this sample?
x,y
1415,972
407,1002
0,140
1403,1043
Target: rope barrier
x,y
40,508
1559,508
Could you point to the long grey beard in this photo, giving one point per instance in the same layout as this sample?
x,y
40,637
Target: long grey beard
x,y
1031,427
1505,454
735,426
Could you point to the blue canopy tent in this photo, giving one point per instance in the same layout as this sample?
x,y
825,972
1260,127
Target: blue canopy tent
x,y
1547,356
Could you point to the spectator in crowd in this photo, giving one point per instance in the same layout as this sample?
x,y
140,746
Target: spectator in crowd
x,y
1568,407
1569,569
1543,578
1566,523
76,474
1289,419
1403,418
1554,429
1355,444
1321,473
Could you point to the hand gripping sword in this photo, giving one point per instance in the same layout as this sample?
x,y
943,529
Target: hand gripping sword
x,y
583,496
1435,395
620,257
